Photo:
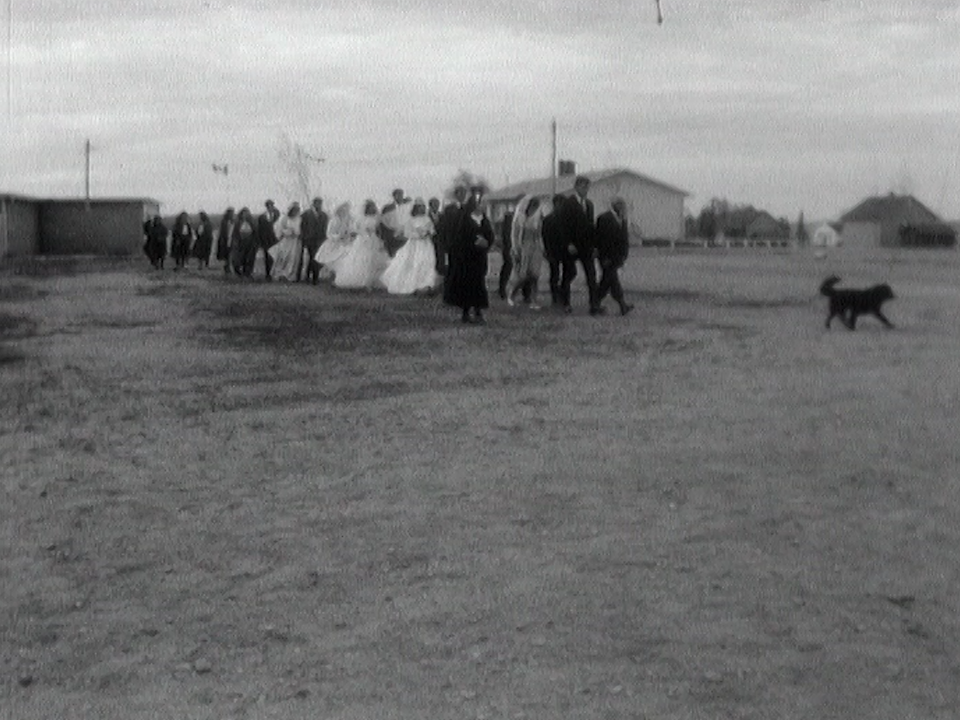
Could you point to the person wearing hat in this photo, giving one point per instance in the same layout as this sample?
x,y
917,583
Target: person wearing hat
x,y
578,231
613,245
313,232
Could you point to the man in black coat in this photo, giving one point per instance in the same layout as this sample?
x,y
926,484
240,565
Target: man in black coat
x,y
613,246
578,231
313,232
266,239
393,217
448,227
433,212
506,247
554,251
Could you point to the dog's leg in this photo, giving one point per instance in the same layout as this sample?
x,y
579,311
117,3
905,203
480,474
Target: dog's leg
x,y
851,321
883,319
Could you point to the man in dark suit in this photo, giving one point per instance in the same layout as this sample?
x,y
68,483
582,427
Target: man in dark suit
x,y
393,218
613,246
506,246
448,227
313,231
554,251
433,212
266,239
578,231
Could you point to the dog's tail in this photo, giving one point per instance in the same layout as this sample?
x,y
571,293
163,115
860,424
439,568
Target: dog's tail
x,y
827,287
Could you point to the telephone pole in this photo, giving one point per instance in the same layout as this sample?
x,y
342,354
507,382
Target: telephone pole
x,y
553,164
86,152
9,60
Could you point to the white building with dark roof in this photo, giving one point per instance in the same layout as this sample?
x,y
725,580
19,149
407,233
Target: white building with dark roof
x,y
655,208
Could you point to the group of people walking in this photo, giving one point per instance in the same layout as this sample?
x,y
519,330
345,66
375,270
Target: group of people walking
x,y
411,247
565,236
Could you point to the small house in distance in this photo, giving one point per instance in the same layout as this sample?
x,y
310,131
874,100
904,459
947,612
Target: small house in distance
x,y
100,226
895,221
655,208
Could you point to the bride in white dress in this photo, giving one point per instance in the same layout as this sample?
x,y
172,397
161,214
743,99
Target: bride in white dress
x,y
286,253
365,261
414,267
340,235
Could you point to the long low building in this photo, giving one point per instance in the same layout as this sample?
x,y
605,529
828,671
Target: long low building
x,y
655,208
101,226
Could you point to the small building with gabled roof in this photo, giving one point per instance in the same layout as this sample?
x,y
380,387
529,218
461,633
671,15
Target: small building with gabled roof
x,y
887,221
67,226
654,208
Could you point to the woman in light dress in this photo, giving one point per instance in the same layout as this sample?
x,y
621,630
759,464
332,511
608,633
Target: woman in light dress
x,y
527,250
365,261
340,235
414,268
286,253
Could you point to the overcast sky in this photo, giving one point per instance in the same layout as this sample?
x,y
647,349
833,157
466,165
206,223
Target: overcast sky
x,y
786,104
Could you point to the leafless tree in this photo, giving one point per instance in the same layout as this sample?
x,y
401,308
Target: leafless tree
x,y
298,167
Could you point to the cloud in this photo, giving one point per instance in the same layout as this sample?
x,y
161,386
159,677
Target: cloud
x,y
723,98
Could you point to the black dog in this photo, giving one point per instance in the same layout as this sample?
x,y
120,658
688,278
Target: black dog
x,y
851,304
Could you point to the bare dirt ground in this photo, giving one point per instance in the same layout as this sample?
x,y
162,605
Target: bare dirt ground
x,y
229,500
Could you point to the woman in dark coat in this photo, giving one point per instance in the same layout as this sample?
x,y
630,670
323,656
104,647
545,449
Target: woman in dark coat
x,y
466,287
204,242
181,240
244,241
156,245
225,238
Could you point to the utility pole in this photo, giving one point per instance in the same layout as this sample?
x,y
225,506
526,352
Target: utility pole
x,y
86,152
9,61
553,164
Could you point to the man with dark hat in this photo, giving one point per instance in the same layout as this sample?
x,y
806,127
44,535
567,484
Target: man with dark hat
x,y
313,231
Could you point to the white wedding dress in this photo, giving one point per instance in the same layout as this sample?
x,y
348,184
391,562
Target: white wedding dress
x,y
340,236
365,261
414,267
286,253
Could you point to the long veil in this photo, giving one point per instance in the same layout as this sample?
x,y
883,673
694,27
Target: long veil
x,y
516,228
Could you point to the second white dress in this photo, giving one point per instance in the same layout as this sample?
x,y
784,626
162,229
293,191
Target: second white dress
x,y
414,267
340,236
286,253
365,261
